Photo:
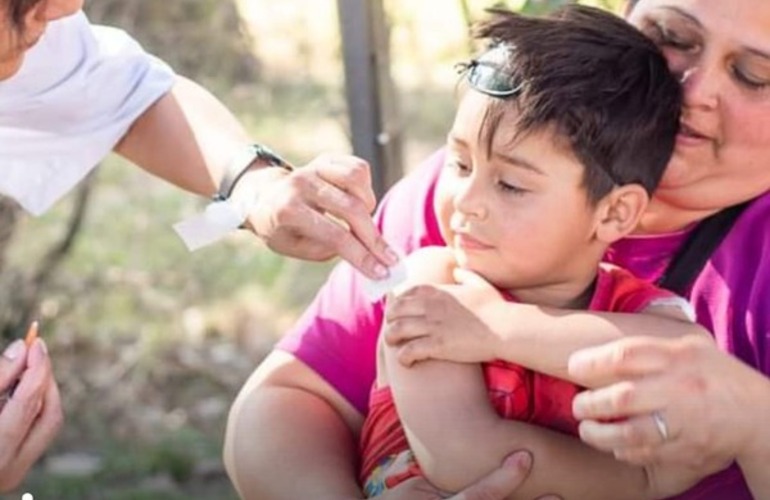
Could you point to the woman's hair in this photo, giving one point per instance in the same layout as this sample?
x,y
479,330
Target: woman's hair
x,y
17,9
603,87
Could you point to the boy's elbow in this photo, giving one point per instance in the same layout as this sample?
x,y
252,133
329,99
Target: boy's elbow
x,y
448,475
457,466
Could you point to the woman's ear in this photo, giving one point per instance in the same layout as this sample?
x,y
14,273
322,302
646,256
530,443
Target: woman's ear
x,y
619,212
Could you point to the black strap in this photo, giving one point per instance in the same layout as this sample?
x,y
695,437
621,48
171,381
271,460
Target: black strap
x,y
696,251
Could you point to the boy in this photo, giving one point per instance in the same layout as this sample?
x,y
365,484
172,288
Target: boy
x,y
566,129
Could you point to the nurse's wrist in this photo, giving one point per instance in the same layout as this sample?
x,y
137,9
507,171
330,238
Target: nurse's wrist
x,y
246,161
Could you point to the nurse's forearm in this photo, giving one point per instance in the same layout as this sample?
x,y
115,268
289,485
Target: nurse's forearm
x,y
188,137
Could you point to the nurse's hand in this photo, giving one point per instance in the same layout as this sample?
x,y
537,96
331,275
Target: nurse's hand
x,y
320,211
31,417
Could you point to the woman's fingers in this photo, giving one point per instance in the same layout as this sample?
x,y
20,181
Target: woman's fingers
x,y
639,432
343,188
31,419
349,174
20,411
623,399
12,364
45,429
322,210
626,358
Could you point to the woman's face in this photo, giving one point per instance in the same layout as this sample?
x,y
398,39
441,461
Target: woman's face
x,y
721,49
15,40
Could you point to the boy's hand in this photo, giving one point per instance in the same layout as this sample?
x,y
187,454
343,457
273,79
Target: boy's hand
x,y
443,322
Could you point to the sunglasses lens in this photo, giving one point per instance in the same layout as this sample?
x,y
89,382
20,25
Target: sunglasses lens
x,y
488,73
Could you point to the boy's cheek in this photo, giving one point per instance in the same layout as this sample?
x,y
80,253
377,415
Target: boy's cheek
x,y
443,205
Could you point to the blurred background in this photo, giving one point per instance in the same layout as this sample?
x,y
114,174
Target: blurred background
x,y
151,343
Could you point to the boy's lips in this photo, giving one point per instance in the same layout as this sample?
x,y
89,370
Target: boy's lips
x,y
468,242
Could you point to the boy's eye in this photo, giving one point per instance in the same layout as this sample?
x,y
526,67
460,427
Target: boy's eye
x,y
459,166
510,188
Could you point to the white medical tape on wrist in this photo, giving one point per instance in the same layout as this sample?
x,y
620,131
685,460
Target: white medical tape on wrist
x,y
219,219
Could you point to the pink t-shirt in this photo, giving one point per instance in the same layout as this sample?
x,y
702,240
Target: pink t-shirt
x,y
337,334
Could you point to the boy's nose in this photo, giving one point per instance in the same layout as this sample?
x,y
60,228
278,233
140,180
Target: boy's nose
x,y
469,201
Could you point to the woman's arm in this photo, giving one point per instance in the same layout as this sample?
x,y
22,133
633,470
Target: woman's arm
x,y
291,435
289,424
188,138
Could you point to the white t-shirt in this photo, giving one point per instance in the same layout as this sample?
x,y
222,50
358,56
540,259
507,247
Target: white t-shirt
x,y
78,91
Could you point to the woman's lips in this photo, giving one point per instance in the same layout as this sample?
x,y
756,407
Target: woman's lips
x,y
689,136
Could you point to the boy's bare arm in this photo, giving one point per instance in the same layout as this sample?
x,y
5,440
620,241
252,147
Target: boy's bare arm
x,y
470,322
457,437
549,351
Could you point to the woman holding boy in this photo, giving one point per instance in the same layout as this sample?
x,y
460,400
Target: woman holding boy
x,y
683,402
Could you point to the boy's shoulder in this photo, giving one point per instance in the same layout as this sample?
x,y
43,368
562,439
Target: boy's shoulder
x,y
620,290
430,265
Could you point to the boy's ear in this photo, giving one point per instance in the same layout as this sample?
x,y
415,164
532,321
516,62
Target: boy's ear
x,y
619,212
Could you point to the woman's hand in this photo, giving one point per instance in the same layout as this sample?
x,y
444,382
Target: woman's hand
x,y
498,485
685,402
442,322
319,211
32,416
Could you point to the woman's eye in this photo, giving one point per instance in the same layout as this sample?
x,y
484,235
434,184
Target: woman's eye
x,y
749,81
667,38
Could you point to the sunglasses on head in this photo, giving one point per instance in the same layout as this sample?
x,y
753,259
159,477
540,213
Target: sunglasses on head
x,y
488,73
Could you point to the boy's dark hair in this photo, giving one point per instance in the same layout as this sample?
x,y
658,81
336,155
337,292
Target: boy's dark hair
x,y
603,86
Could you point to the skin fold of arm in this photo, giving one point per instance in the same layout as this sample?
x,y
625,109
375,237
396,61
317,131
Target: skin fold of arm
x,y
457,437
290,435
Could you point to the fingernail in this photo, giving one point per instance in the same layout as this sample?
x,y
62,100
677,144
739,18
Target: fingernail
x,y
380,271
521,459
14,350
391,256
577,407
577,363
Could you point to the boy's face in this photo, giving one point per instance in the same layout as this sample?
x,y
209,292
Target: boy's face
x,y
519,217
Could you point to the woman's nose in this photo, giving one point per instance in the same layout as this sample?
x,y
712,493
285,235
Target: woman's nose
x,y
700,87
